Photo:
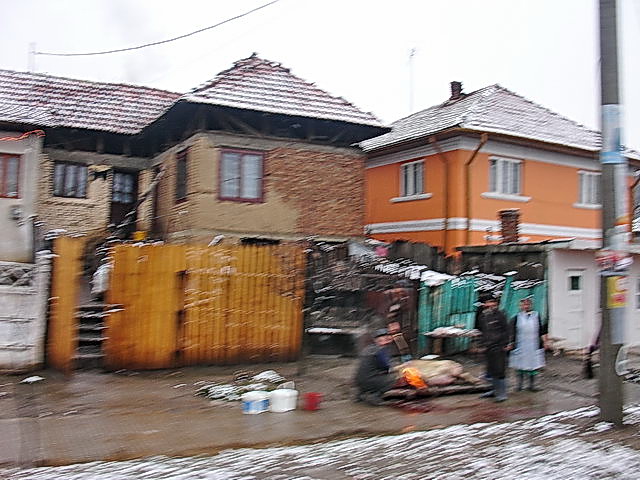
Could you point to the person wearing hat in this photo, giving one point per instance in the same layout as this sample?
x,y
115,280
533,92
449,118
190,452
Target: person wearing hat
x,y
372,375
496,337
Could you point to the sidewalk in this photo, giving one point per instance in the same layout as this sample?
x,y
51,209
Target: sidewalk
x,y
99,416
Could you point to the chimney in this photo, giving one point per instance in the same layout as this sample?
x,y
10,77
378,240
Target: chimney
x,y
509,224
456,90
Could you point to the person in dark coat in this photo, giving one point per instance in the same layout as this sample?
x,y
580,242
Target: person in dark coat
x,y
496,338
372,376
476,325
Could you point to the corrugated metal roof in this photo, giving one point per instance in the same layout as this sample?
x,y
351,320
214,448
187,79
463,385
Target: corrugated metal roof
x,y
49,101
258,84
492,109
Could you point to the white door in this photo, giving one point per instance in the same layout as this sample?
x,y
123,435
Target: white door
x,y
575,316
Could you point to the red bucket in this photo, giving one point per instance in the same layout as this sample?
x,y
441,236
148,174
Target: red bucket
x,y
311,400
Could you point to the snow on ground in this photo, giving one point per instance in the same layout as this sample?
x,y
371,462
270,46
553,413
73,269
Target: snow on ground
x,y
552,447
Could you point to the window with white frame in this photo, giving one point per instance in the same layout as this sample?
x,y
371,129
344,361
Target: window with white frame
x,y
589,191
412,179
505,176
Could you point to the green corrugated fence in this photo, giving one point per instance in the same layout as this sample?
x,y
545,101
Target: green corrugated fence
x,y
454,303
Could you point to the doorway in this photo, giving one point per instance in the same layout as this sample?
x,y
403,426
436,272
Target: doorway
x,y
124,193
575,327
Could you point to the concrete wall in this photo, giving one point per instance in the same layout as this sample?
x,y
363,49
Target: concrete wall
x,y
23,307
309,190
16,240
580,328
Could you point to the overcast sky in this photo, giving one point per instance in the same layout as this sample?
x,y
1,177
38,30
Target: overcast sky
x,y
545,50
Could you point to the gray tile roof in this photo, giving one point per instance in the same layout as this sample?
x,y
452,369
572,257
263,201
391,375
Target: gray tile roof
x,y
492,109
49,101
258,84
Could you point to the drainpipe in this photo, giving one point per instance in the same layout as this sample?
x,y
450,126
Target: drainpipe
x,y
445,191
467,188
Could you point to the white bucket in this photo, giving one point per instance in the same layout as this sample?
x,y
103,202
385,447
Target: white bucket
x,y
283,400
255,402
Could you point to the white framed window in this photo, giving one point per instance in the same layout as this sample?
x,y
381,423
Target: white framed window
x,y
412,179
589,188
505,176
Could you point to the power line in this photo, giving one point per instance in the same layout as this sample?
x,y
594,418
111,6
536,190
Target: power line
x,y
55,54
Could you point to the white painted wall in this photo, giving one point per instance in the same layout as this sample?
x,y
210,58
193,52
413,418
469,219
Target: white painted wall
x,y
16,238
23,312
563,320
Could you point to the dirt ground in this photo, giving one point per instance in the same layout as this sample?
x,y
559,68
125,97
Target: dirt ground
x,y
114,416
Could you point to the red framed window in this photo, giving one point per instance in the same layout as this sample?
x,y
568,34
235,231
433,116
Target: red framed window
x,y
69,180
241,176
181,175
9,176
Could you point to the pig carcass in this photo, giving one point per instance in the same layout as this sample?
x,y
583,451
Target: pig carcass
x,y
439,372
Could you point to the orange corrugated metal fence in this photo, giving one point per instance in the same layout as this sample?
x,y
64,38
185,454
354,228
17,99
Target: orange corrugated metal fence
x,y
188,305
62,338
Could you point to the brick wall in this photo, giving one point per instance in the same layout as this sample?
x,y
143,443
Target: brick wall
x,y
309,190
327,189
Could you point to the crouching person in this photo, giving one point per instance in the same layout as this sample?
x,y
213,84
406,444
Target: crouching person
x,y
496,336
372,376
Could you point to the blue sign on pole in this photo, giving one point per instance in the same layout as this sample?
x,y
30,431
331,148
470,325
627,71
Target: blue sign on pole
x,y
611,135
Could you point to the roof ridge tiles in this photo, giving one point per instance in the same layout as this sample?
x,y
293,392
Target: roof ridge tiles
x,y
279,83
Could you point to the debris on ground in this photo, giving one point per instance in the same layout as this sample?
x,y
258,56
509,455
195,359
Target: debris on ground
x,y
243,382
32,379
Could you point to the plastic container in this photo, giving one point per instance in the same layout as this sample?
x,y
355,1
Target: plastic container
x,y
312,400
255,402
283,400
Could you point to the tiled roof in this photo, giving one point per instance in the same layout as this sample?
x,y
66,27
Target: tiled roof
x,y
492,109
257,84
48,101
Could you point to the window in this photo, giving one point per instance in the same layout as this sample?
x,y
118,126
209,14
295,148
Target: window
x,y
504,176
124,187
9,176
69,180
589,191
574,283
241,176
181,175
412,179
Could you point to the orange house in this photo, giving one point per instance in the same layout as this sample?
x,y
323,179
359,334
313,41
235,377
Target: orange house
x,y
442,175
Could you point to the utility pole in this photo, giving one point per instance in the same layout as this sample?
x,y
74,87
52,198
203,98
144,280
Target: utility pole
x,y
615,221
412,53
31,61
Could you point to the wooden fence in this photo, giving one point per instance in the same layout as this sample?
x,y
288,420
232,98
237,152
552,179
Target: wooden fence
x,y
62,336
186,305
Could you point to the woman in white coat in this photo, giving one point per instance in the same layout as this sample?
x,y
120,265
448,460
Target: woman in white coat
x,y
530,341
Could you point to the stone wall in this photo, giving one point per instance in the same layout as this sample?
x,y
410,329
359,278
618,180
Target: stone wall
x,y
88,215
